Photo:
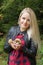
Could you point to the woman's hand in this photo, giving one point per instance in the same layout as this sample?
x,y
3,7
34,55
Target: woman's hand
x,y
11,43
16,44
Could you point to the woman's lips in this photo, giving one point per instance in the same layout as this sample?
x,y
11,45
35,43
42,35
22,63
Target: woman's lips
x,y
25,24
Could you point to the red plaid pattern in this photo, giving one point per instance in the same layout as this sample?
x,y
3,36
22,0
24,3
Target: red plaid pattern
x,y
17,57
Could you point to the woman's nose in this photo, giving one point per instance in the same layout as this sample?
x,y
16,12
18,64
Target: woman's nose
x,y
25,21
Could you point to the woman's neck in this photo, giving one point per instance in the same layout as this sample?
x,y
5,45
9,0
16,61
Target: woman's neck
x,y
22,29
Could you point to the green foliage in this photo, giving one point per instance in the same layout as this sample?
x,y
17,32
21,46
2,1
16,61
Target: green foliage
x,y
9,13
10,9
40,55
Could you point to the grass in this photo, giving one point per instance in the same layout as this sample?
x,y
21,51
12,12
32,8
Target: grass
x,y
3,59
4,56
40,55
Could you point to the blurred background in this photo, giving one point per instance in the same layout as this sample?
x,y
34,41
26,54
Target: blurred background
x,y
9,13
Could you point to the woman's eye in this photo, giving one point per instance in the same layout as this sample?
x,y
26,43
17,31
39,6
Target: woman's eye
x,y
23,18
28,20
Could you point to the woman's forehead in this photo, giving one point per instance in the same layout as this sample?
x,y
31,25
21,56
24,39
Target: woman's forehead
x,y
25,14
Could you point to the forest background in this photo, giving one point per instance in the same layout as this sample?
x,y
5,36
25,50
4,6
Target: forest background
x,y
9,13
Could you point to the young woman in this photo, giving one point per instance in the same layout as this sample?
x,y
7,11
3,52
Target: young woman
x,y
22,40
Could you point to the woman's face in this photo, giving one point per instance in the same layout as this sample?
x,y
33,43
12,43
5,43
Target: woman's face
x,y
25,21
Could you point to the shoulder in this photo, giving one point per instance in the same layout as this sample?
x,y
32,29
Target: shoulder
x,y
13,28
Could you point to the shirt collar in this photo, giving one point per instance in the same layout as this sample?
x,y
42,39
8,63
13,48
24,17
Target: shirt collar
x,y
21,32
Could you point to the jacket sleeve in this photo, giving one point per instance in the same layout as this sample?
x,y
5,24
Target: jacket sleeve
x,y
32,50
7,47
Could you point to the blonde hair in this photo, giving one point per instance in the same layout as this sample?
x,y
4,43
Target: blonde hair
x,y
34,30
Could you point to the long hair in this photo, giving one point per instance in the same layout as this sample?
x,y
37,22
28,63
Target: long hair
x,y
33,31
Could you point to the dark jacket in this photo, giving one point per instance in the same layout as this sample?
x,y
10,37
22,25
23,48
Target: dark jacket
x,y
29,49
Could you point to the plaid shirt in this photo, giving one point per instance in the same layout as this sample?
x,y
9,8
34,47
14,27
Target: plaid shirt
x,y
17,57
